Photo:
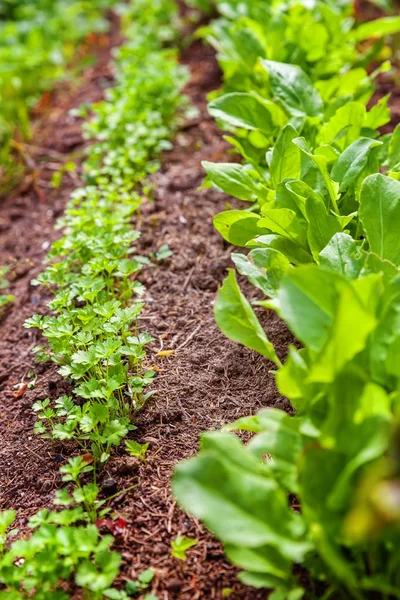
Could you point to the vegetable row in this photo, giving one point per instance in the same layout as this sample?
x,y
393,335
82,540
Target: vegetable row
x,y
319,517
92,330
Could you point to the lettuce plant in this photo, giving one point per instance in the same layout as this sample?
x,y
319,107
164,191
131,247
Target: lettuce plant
x,y
309,507
336,458
300,123
320,37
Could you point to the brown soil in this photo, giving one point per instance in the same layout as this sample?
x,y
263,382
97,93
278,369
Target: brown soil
x,y
207,382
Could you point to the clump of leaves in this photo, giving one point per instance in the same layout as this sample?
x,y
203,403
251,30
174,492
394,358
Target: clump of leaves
x,y
58,551
83,495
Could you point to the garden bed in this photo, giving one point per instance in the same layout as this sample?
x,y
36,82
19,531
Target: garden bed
x,y
203,380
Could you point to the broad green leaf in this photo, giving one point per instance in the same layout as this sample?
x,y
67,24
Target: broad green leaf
x,y
313,40
292,376
389,271
344,220
377,28
275,264
293,252
328,152
250,154
286,223
315,488
371,441
394,148
284,198
380,216
237,320
228,488
321,226
351,326
300,191
280,438
237,226
292,86
352,161
379,114
384,347
264,559
343,255
286,159
344,126
262,580
307,300
233,179
321,164
240,109
254,274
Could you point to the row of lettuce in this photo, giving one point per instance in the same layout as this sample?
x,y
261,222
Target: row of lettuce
x,y
92,331
310,506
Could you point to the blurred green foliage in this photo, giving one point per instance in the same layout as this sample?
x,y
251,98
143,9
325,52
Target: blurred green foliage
x,y
37,40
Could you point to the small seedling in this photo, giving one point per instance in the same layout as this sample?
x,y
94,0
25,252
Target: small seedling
x,y
58,175
180,545
163,252
141,584
136,449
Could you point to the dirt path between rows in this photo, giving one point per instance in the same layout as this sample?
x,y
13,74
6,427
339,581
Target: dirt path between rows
x,y
207,382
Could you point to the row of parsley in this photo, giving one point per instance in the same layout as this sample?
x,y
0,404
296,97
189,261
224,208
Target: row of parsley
x,y
92,331
322,226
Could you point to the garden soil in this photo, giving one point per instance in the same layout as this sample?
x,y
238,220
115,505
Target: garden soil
x,y
204,383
